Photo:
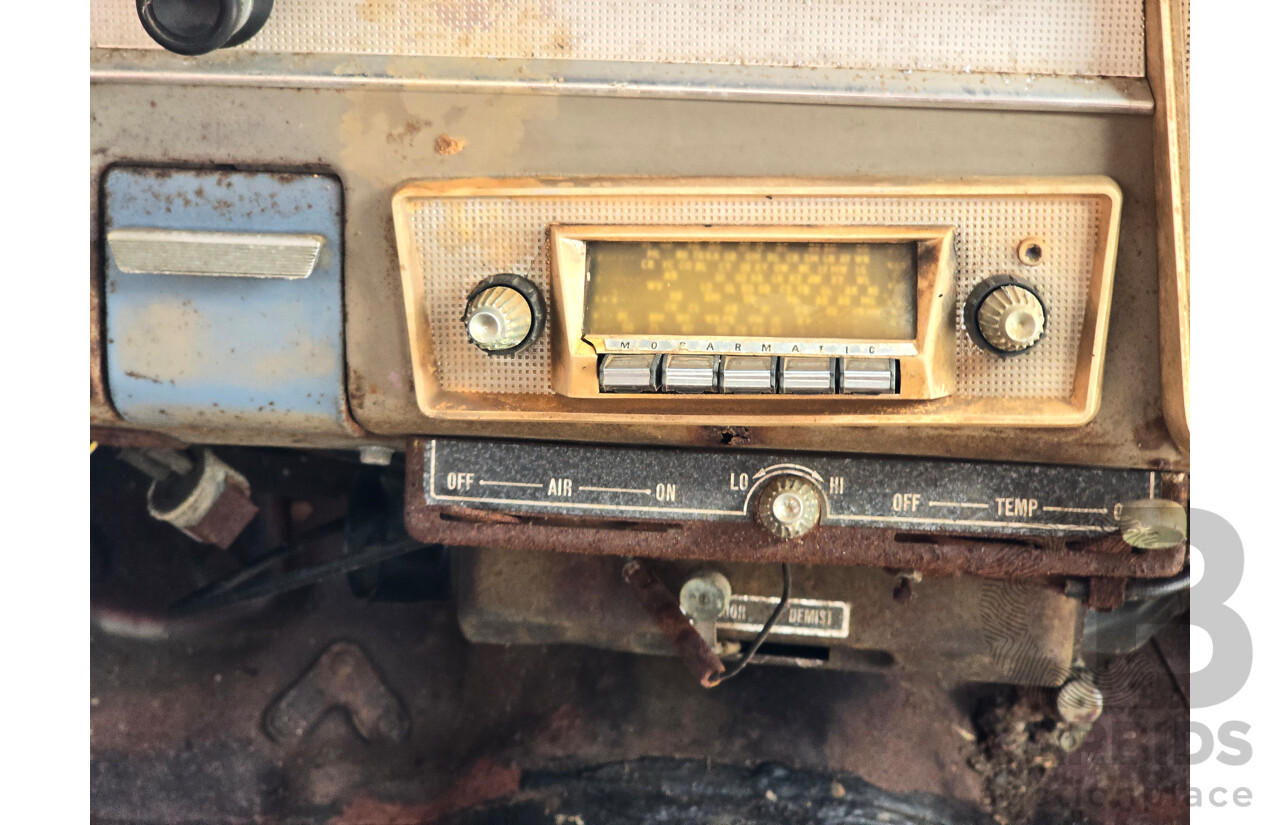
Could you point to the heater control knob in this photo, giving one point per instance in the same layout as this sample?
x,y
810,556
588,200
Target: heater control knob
x,y
789,506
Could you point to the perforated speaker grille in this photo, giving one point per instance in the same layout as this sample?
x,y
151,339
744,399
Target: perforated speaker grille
x,y
1078,37
458,241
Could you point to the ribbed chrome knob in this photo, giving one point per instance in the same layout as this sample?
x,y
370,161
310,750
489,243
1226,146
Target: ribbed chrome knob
x,y
498,319
1079,701
788,506
1011,318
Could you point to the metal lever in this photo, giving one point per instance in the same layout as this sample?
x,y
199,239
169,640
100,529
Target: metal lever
x,y
705,598
697,655
691,645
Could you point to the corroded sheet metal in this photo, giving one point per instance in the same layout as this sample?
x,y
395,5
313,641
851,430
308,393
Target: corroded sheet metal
x,y
222,351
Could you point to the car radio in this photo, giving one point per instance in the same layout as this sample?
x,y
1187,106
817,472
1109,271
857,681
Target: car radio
x,y
750,301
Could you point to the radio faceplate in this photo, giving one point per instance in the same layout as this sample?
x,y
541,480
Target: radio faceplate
x,y
454,234
805,299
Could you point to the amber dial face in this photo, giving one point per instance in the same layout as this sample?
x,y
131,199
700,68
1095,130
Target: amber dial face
x,y
735,289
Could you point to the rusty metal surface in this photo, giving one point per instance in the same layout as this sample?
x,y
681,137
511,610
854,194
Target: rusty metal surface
x,y
100,409
227,518
177,707
942,556
343,677
375,140
176,727
1106,593
197,493
119,437
665,612
125,433
933,554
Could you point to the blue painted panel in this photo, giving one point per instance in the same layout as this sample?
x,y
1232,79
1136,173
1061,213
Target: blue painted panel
x,y
226,352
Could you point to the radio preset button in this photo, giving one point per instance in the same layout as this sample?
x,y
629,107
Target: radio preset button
x,y
807,375
869,376
748,373
689,373
628,373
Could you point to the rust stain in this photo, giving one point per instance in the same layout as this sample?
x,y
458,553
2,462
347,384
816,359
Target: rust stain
x,y
379,12
1151,433
729,436
142,377
356,389
447,145
486,780
409,131
117,437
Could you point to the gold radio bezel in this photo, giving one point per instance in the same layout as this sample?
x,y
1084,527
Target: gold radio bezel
x,y
926,363
440,404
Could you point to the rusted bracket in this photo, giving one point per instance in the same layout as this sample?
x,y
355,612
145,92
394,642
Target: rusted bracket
x,y
342,677
662,606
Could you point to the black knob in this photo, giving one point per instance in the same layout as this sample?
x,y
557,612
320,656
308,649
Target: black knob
x,y
194,27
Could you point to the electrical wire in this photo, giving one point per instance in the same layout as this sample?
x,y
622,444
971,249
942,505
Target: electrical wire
x,y
765,630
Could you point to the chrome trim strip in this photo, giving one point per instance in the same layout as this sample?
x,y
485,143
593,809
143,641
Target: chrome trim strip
x,y
864,87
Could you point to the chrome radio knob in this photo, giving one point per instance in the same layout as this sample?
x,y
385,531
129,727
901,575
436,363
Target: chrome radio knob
x,y
788,506
1005,316
504,314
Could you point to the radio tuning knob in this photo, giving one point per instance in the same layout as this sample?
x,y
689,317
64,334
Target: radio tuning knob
x,y
788,506
504,314
1008,316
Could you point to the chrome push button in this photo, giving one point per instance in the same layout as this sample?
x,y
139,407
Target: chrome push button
x,y
628,373
689,373
869,376
807,375
748,374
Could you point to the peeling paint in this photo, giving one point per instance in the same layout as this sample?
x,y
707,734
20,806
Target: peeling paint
x,y
219,351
